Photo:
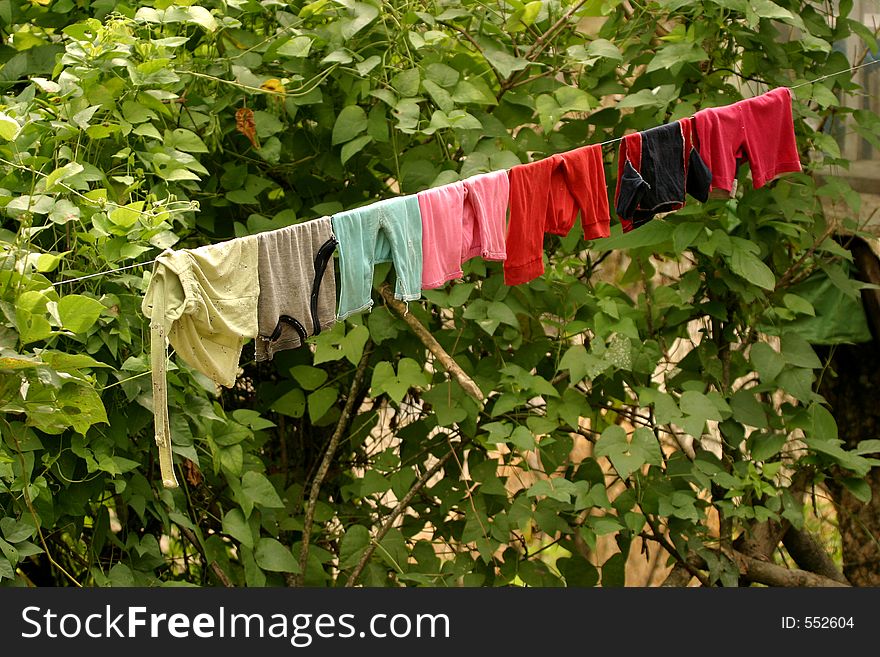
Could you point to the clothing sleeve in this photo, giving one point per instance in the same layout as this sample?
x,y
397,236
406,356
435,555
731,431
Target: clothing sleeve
x,y
529,197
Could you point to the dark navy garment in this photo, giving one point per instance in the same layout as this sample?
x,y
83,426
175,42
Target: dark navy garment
x,y
656,168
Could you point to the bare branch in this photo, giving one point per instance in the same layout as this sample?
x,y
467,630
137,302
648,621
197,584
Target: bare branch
x,y
430,342
341,426
399,509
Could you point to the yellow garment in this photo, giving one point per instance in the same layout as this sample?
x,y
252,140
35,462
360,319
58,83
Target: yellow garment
x,y
204,302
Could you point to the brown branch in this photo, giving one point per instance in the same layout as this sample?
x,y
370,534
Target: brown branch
x,y
679,576
213,565
809,555
764,572
540,43
430,342
789,273
341,426
399,509
657,536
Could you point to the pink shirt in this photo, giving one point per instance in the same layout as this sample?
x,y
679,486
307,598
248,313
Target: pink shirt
x,y
460,221
758,129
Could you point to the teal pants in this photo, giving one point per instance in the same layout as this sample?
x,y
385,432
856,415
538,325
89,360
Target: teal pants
x,y
386,231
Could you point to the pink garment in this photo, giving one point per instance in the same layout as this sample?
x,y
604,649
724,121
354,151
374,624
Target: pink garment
x,y
758,129
461,221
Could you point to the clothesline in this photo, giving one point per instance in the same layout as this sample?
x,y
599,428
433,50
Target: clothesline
x,y
604,143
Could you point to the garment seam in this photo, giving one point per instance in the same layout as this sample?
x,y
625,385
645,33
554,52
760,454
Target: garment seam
x,y
445,279
349,313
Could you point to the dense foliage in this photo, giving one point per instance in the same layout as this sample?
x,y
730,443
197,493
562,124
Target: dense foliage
x,y
667,397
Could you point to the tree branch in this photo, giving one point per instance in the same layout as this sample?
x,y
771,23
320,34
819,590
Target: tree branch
x,y
764,572
679,576
809,555
399,509
430,342
341,426
213,565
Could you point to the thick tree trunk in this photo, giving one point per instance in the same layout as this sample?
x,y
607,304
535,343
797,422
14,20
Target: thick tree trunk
x,y
852,395
853,398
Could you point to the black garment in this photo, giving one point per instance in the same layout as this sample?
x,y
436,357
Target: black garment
x,y
654,174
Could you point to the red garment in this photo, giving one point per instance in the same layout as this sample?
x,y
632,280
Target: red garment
x,y
758,129
545,197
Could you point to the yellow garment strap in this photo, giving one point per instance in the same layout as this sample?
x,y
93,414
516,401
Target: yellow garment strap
x,y
158,356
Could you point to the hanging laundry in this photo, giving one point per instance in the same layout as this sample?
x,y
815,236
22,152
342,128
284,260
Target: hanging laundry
x,y
545,197
297,285
759,129
654,170
204,302
385,231
461,221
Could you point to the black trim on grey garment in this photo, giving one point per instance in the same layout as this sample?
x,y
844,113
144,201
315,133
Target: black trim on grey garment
x,y
290,321
322,259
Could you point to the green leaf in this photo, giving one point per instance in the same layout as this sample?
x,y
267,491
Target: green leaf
x,y
79,313
764,447
658,97
259,491
354,342
698,405
555,488
751,268
310,378
578,572
292,403
185,140
748,410
231,459
320,402
822,424
62,173
201,16
362,15
298,46
674,55
604,48
64,211
859,488
771,10
522,438
351,122
575,361
16,531
356,540
407,82
504,62
766,361
352,148
685,234
272,556
871,446
409,374
652,234
614,571
799,305
798,352
9,127
236,525
136,113
625,456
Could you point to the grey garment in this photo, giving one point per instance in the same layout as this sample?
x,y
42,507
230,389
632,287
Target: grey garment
x,y
292,297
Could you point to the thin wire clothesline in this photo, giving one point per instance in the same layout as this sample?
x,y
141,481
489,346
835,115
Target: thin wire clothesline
x,y
603,143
